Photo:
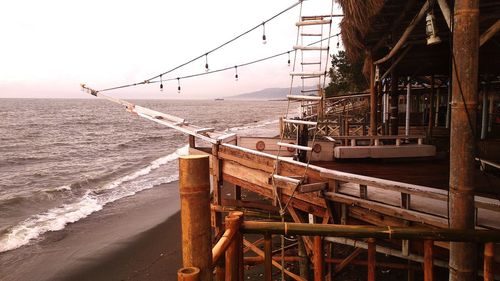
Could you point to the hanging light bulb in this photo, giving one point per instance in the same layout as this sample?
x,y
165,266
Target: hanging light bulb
x,y
178,85
430,29
206,62
288,58
236,75
264,39
338,42
161,83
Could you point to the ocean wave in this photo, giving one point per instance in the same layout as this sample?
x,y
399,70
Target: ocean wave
x,y
57,218
253,126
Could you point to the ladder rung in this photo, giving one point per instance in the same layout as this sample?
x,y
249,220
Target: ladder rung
x,y
313,22
310,104
310,63
309,74
299,97
294,121
204,130
311,187
314,17
310,48
311,34
310,91
295,146
286,179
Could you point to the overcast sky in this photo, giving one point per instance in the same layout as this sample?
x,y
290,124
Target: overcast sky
x,y
49,47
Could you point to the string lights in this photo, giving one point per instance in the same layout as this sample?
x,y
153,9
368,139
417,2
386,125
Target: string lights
x,y
161,83
288,58
206,62
178,85
213,50
264,39
236,75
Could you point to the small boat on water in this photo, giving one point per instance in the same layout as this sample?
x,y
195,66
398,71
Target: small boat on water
x,y
219,99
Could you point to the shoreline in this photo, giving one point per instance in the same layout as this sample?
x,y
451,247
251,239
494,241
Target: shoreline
x,y
134,238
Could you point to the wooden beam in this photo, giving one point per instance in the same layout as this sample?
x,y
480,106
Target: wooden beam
x,y
259,252
488,34
347,260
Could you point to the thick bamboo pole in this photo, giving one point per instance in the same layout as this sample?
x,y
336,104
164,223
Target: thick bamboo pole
x,y
489,253
465,62
428,260
194,185
372,252
235,249
362,231
260,260
268,257
318,259
188,274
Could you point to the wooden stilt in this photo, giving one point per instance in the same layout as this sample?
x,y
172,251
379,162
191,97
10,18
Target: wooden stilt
x,y
194,185
428,260
268,257
318,259
489,251
371,259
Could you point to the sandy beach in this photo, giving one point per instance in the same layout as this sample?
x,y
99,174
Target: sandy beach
x,y
135,238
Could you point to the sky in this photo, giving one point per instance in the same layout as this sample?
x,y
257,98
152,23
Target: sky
x,y
49,47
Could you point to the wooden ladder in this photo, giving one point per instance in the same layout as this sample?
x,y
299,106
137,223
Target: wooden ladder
x,y
310,27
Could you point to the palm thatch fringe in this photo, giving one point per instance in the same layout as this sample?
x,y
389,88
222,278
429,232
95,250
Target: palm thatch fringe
x,y
356,24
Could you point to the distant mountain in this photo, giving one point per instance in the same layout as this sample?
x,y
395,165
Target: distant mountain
x,y
266,94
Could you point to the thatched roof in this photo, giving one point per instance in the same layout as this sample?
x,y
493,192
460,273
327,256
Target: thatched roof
x,y
356,23
374,26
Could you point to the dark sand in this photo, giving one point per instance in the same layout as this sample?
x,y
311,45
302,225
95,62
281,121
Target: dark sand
x,y
134,238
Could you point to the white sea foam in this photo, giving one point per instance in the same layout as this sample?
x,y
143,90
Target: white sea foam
x,y
253,126
57,218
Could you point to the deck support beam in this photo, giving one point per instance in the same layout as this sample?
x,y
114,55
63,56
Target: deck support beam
x,y
464,106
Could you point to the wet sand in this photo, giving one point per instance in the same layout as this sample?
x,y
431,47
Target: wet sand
x,y
135,238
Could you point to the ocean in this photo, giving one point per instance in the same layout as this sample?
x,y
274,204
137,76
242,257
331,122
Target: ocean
x,y
62,160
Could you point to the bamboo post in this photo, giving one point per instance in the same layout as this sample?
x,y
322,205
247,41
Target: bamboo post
x,y
194,185
373,99
188,274
394,112
235,250
489,253
431,108
372,251
268,257
318,259
217,186
465,64
408,107
428,260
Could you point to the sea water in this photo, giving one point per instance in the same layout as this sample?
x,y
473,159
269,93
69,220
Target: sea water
x,y
62,160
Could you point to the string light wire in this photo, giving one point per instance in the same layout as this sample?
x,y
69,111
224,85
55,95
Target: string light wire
x,y
206,53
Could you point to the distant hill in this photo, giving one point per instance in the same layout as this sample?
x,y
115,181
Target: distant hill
x,y
266,94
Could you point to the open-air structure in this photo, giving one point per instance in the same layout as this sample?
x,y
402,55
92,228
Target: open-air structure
x,y
431,108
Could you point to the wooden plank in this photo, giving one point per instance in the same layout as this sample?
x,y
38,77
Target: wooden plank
x,y
386,184
296,203
389,210
312,187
